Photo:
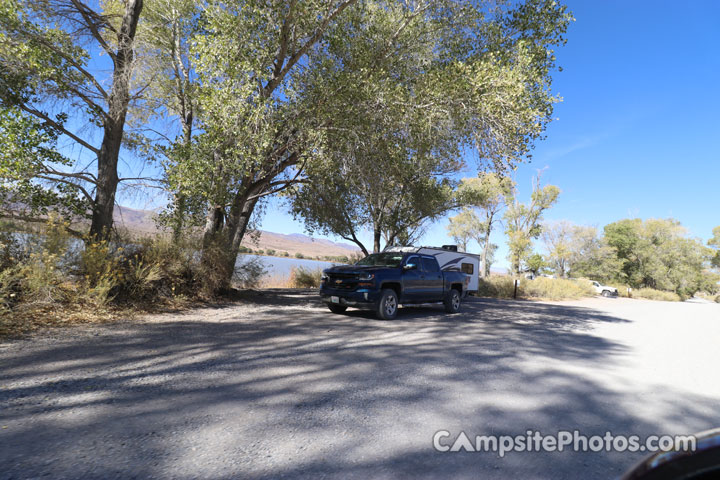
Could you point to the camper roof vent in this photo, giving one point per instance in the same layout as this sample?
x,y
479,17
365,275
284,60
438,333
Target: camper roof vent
x,y
452,248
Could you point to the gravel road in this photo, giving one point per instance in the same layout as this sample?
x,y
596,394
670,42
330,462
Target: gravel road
x,y
277,387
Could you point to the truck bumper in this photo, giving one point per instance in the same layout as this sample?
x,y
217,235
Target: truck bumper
x,y
360,298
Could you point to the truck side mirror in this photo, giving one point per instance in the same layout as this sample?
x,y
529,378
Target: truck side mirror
x,y
410,266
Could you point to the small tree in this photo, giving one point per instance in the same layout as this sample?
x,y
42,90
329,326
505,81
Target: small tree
x,y
464,227
487,193
557,237
714,243
523,220
535,263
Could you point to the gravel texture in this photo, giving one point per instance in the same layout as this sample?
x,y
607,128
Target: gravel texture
x,y
278,387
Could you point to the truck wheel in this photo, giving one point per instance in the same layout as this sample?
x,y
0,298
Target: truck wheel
x,y
336,308
452,301
606,293
388,305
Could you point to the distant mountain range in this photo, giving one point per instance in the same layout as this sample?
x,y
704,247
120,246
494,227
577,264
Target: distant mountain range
x,y
142,222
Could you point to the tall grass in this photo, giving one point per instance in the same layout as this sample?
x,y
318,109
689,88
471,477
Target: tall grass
x,y
556,288
302,277
503,286
652,294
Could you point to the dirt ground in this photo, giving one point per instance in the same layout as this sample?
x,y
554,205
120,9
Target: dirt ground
x,y
276,386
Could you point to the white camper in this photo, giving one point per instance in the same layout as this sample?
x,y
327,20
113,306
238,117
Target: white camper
x,y
449,259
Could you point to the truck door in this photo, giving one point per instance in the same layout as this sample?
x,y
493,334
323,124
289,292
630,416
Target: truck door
x,y
413,280
434,286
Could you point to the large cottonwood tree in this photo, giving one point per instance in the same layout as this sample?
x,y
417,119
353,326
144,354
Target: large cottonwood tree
x,y
45,73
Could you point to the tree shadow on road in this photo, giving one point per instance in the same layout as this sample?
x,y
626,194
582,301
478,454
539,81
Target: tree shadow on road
x,y
285,389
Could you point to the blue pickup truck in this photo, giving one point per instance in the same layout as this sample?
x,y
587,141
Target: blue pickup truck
x,y
382,281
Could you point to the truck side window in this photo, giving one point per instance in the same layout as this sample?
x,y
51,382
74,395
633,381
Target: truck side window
x,y
467,268
430,265
413,260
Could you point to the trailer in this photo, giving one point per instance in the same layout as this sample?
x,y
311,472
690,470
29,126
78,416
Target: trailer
x,y
449,259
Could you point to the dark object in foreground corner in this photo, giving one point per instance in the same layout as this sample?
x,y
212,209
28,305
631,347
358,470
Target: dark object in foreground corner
x,y
701,464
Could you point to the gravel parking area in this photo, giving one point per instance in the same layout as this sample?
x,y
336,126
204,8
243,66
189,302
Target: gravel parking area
x,y
278,387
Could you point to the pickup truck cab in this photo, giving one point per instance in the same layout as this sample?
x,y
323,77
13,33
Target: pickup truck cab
x,y
383,281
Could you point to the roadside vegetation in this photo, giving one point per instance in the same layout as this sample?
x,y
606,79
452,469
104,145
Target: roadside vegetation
x,y
503,286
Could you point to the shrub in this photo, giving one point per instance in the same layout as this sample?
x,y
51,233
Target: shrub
x,y
301,277
717,299
503,286
285,254
270,252
299,255
556,288
250,273
652,294
498,286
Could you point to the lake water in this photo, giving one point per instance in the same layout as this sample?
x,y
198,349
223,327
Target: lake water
x,y
281,266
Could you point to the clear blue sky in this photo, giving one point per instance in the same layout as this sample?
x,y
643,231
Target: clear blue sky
x,y
637,132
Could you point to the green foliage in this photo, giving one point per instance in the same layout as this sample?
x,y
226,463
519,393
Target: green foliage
x,y
299,255
590,256
657,254
301,277
28,158
464,227
416,88
535,262
523,220
714,243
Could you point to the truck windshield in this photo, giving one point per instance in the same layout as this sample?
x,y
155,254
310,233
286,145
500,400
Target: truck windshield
x,y
382,259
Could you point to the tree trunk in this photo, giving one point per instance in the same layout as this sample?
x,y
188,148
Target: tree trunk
x,y
107,182
178,220
238,221
486,246
377,234
118,100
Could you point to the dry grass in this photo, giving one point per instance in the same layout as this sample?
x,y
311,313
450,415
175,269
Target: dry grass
x,y
556,288
301,277
502,286
276,281
652,294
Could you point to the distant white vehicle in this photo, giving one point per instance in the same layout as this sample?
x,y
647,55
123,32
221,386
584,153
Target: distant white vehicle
x,y
604,290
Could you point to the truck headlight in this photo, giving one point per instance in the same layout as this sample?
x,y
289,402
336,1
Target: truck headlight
x,y
366,276
323,278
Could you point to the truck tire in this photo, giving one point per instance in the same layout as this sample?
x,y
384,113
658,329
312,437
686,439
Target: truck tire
x,y
452,301
336,308
606,293
388,305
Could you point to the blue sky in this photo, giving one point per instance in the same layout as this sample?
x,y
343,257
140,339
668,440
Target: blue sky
x,y
637,132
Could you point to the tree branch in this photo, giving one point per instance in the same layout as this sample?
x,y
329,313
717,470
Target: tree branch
x,y
85,193
52,122
277,79
90,17
25,218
